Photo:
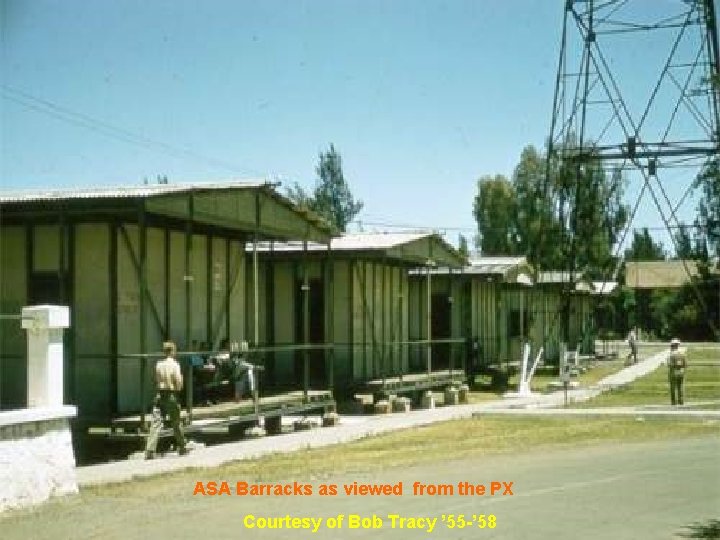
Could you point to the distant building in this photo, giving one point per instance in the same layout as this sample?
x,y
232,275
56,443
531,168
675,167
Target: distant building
x,y
355,295
659,274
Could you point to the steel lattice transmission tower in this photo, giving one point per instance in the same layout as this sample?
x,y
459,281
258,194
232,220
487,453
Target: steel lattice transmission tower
x,y
637,90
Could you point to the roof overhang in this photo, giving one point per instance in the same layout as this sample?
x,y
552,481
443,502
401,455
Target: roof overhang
x,y
249,207
509,270
411,249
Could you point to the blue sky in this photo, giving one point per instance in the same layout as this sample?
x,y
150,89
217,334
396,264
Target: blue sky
x,y
420,97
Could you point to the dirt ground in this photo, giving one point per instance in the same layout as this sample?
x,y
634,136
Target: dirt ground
x,y
633,490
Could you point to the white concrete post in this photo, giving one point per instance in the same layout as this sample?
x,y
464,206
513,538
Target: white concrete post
x,y
44,325
524,386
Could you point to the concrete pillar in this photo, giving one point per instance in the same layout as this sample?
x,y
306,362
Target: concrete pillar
x,y
428,400
255,432
451,396
463,393
401,404
44,325
382,407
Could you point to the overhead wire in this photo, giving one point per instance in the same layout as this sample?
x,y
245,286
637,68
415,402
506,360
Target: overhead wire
x,y
65,114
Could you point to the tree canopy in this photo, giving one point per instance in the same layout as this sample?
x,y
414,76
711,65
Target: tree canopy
x,y
644,248
570,218
494,209
331,197
709,207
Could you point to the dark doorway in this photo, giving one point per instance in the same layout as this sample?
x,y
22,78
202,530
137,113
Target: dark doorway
x,y
440,328
316,331
46,288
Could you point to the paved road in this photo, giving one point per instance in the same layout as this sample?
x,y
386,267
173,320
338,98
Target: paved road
x,y
634,491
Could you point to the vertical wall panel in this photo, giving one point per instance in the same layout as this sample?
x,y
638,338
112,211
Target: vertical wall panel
x,y
199,288
237,290
368,296
218,288
13,287
46,248
284,318
177,289
358,314
404,319
156,289
91,319
128,319
342,313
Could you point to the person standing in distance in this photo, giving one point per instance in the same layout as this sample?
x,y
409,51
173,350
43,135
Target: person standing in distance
x,y
632,343
676,364
168,381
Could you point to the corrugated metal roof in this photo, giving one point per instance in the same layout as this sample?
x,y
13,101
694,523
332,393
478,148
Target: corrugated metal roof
x,y
366,241
509,269
349,242
555,277
123,192
604,287
494,265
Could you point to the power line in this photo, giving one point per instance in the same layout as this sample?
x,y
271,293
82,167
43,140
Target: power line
x,y
70,116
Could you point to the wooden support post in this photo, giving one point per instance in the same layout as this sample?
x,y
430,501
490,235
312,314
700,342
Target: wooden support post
x,y
428,321
166,277
143,317
384,344
188,278
228,286
391,315
401,333
330,323
113,265
450,346
209,285
256,296
306,323
256,293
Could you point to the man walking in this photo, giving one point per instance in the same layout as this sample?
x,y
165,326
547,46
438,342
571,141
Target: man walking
x,y
676,364
168,381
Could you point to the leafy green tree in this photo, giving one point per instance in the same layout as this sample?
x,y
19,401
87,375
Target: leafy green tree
x,y
299,196
331,197
644,248
463,246
709,207
683,244
538,230
589,207
494,210
571,218
690,247
644,308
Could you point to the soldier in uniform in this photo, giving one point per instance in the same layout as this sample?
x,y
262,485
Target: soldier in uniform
x,y
168,381
676,364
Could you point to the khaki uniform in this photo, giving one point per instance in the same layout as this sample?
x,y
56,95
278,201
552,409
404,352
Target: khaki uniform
x,y
632,343
676,364
168,379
